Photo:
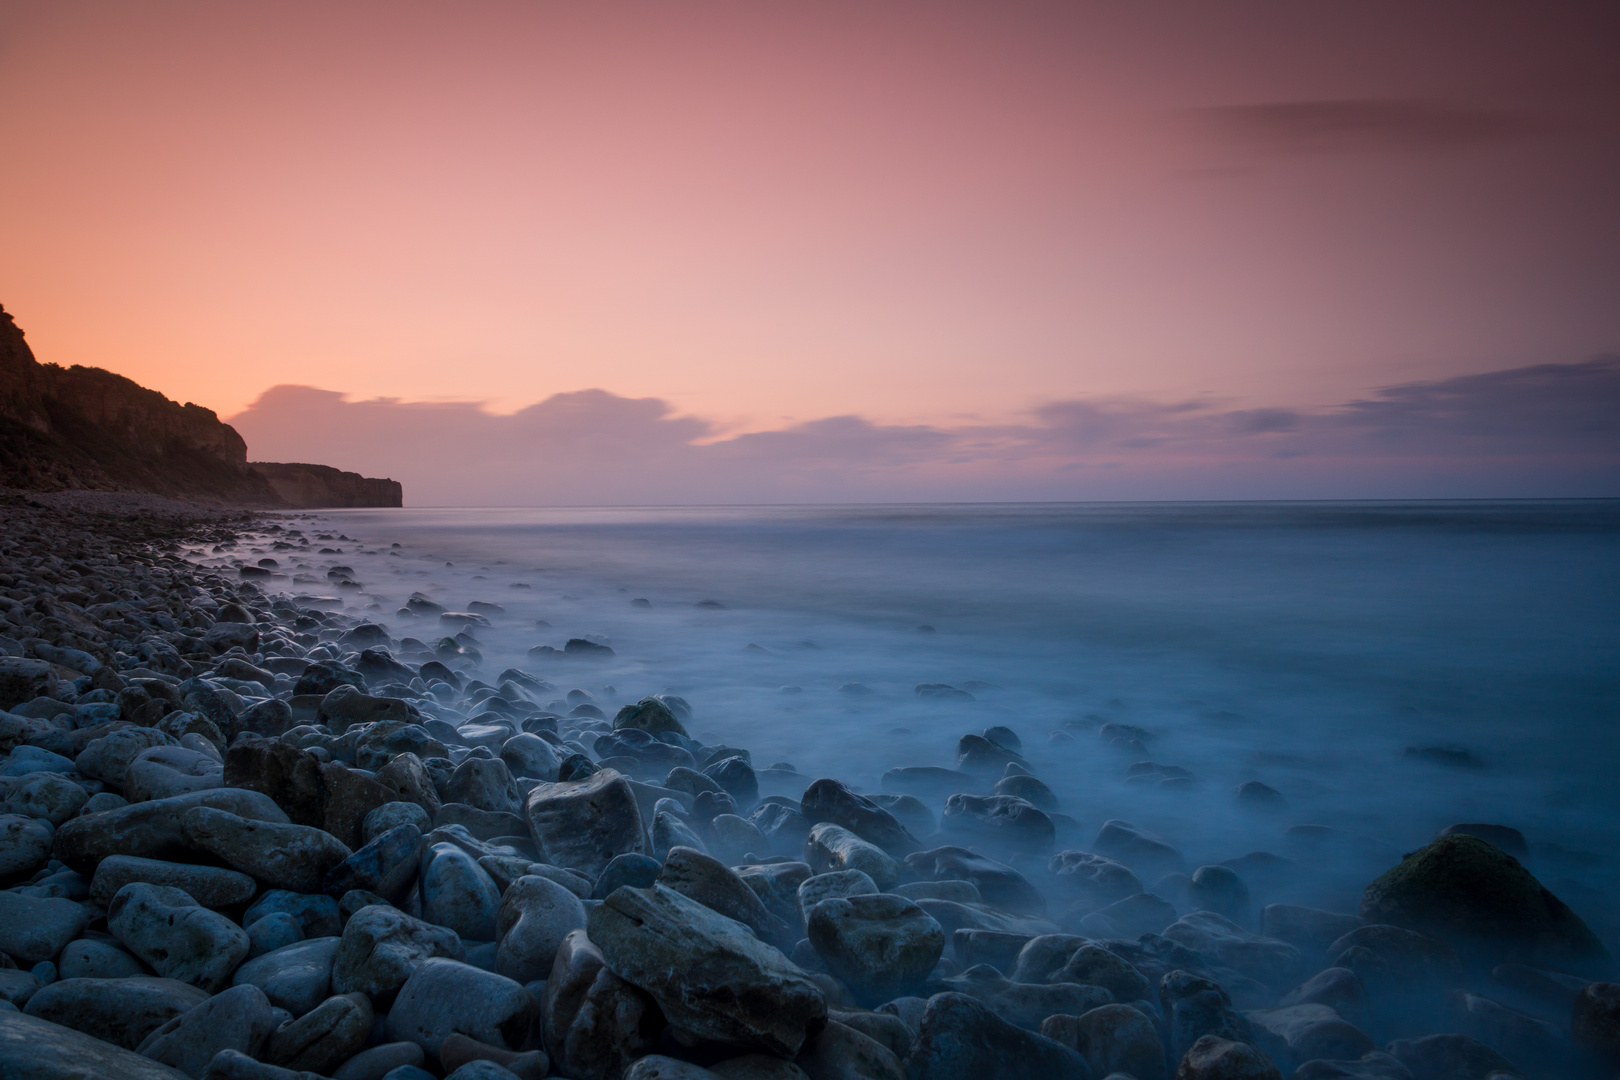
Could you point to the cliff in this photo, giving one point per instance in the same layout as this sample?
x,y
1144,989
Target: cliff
x,y
322,485
82,427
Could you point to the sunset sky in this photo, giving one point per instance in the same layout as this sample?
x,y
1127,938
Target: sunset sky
x,y
934,217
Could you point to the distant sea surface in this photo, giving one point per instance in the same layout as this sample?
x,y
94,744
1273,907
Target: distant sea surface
x,y
1305,645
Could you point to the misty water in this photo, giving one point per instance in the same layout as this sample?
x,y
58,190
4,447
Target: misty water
x,y
1304,645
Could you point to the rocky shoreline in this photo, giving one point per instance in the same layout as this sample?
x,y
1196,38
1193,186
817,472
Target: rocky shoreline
x,y
245,839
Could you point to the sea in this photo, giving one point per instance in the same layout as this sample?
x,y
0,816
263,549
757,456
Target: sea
x,y
1388,668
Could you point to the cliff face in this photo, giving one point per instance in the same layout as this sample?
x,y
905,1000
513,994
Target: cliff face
x,y
82,427
322,485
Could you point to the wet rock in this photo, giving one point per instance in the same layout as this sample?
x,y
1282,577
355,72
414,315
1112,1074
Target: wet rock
x,y
593,1022
813,890
25,844
830,848
737,838
1137,848
269,719
977,755
163,771
382,946
999,884
444,996
386,866
1112,1039
295,977
650,715
838,1052
530,755
239,1018
154,829
287,774
709,975
349,795
293,857
783,827
669,831
1045,955
583,824
318,916
48,796
24,679
956,891
885,1028
87,959
1447,1056
1091,965
274,931
1267,960
391,815
1000,821
628,869
535,915
122,1011
1478,898
379,1061
35,928
344,707
1408,976
1214,1058
174,934
711,883
1131,917
1508,839
1029,789
210,886
829,800
457,893
1195,1007
1308,1031
108,758
485,783
959,1037
736,777
32,1048
1025,1004
323,1038
1516,1035
881,946
659,1067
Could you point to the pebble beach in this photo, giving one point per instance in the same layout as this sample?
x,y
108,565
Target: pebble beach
x,y
247,835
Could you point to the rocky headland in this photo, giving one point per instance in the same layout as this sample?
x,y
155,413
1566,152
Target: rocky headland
x,y
83,428
246,839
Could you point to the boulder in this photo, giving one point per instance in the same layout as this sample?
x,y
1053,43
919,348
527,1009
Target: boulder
x,y
1141,850
24,679
1450,1055
387,865
50,797
999,884
35,1049
1092,882
153,829
1482,901
1214,1058
239,1018
1025,1004
649,715
25,844
293,857
1267,960
839,1052
457,893
295,977
1112,1039
534,917
210,886
717,887
1305,1032
830,848
382,946
710,976
958,1037
830,800
1092,965
164,771
594,1023
36,928
174,934
583,824
881,946
122,1011
323,1038
444,996
485,783
999,821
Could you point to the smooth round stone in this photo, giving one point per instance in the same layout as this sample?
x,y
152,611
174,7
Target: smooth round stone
x,y
444,996
48,796
295,977
122,1011
392,815
25,844
239,1018
535,915
210,886
163,771
631,868
813,890
274,931
880,945
381,1061
89,959
458,894
317,915
174,934
34,928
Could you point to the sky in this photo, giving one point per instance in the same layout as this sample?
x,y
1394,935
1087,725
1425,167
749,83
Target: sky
x,y
840,250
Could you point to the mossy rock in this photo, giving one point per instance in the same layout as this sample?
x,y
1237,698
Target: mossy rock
x,y
1479,898
649,715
